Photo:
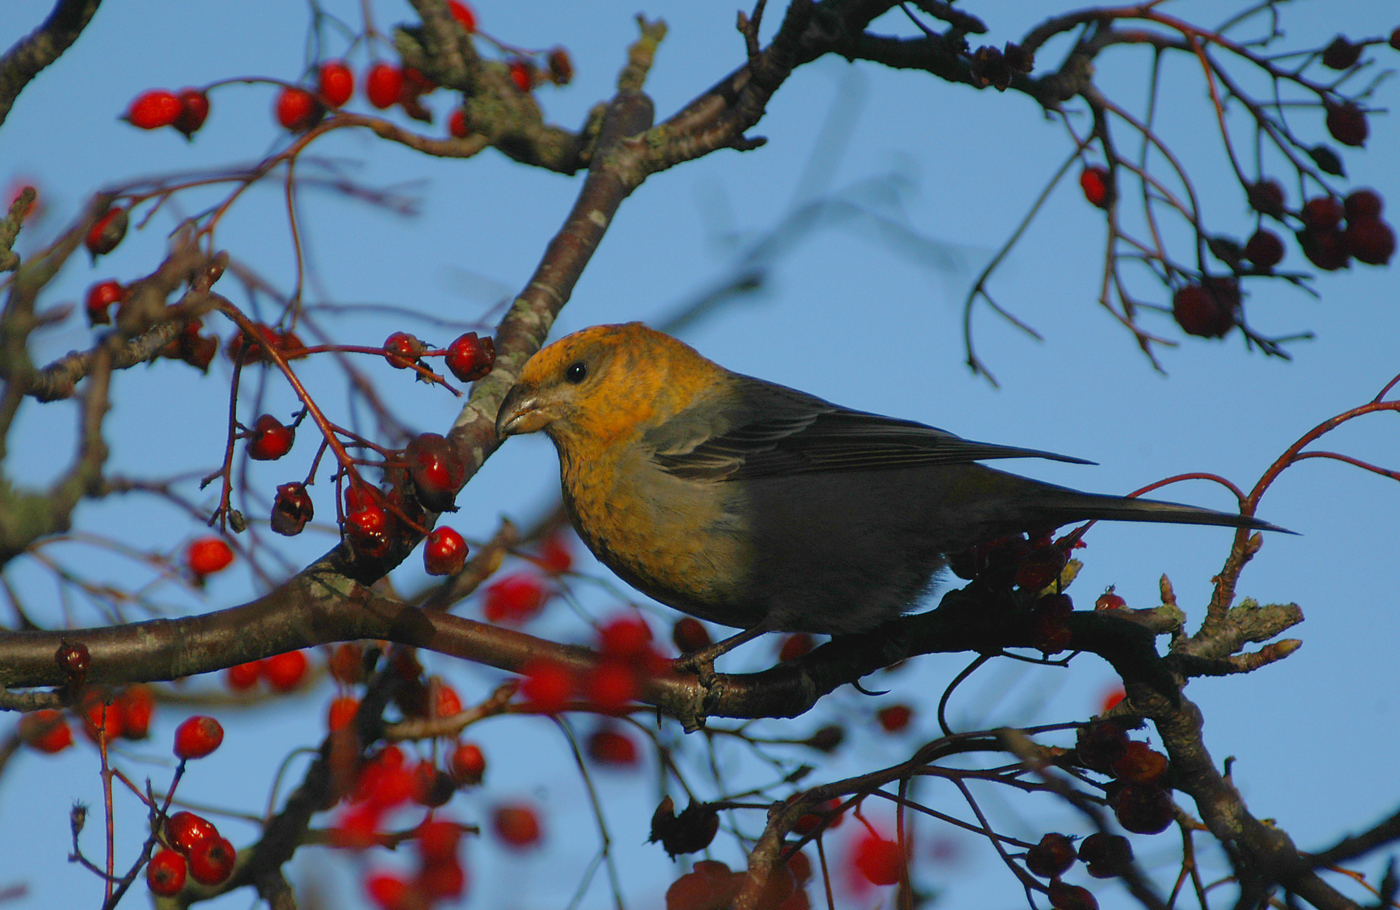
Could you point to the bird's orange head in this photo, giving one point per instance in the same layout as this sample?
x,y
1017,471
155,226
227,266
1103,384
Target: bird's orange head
x,y
604,384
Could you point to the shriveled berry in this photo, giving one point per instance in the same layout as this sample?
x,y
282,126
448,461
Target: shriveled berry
x,y
1140,763
335,82
1099,745
470,358
1144,808
154,109
291,509
561,68
1106,855
1063,896
1341,54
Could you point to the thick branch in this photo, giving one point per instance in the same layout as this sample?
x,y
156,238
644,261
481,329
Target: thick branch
x,y
39,48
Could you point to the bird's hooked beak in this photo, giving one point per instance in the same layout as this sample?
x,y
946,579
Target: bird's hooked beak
x,y
522,411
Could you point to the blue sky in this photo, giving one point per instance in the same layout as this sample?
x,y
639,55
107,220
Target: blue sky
x,y
843,314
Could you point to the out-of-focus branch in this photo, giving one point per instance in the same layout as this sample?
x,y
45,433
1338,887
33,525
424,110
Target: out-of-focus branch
x,y
23,61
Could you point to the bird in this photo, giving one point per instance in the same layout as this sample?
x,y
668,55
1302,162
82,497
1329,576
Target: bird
x,y
757,506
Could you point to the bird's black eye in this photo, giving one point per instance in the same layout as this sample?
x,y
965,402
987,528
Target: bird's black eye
x,y
576,372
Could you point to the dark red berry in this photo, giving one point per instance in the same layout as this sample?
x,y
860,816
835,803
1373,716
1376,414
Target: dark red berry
x,y
1347,124
1322,212
1341,54
1370,240
1094,181
1266,197
1264,249
291,509
437,469
402,350
470,358
1051,857
1207,310
1070,897
1325,248
1107,855
1144,808
457,124
1362,204
194,110
106,232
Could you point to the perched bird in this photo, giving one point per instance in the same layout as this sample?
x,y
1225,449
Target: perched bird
x,y
761,507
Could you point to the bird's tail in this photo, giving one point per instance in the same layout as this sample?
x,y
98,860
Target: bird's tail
x,y
1072,505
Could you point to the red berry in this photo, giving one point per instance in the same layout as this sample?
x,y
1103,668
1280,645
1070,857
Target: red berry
x,y
1264,249
1395,39
366,530
894,718
689,634
1112,698
437,469
106,232
1322,212
211,860
457,124
402,350
612,747
1362,204
446,703
514,599
626,638
463,14
285,671
1070,897
165,873
46,730
438,840
136,704
184,830
547,685
794,646
431,787
517,825
197,737
1094,181
389,892
383,83
347,663
468,764
1207,311
1110,601
242,677
442,880
878,860
445,552
470,358
208,555
1347,124
522,73
1370,240
415,84
100,298
612,685
154,109
101,720
341,713
291,509
297,109
336,83
1051,857
194,110
270,439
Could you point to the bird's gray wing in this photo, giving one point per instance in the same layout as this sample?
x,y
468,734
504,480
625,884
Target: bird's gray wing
x,y
766,430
